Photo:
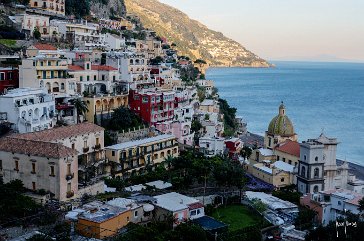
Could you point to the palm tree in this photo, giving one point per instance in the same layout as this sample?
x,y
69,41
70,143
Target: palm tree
x,y
80,106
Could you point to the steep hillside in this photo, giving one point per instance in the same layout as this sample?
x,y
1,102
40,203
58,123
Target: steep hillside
x,y
192,38
101,8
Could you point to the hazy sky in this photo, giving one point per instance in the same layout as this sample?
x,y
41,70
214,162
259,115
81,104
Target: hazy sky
x,y
285,28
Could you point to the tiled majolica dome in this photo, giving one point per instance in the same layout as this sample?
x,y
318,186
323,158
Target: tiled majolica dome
x,y
281,125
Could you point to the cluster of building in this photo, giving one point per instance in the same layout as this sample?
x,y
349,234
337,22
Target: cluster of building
x,y
104,219
56,146
328,188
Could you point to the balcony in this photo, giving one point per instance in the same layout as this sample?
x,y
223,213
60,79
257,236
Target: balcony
x,y
70,176
97,147
70,194
86,149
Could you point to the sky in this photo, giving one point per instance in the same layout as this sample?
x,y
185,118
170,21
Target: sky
x,y
286,29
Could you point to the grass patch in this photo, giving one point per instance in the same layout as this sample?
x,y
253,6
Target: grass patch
x,y
237,216
8,42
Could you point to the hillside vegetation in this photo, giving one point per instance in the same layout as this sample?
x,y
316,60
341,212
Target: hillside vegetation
x,y
191,37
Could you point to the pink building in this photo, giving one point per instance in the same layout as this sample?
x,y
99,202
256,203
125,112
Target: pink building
x,y
180,129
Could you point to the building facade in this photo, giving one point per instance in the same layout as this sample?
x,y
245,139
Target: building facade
x,y
137,156
29,109
40,165
53,6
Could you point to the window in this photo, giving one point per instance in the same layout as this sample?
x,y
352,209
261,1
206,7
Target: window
x,y
69,187
95,77
84,144
103,77
303,171
282,179
81,78
10,75
88,66
33,186
136,214
339,203
305,157
316,158
1,165
73,146
277,158
88,78
51,171
33,167
114,78
112,153
2,76
97,141
16,165
315,189
145,99
193,213
290,162
69,169
316,172
284,159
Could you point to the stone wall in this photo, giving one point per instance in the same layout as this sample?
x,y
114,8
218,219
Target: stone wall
x,y
93,189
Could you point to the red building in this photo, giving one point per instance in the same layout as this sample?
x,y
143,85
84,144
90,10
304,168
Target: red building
x,y
9,78
233,146
152,106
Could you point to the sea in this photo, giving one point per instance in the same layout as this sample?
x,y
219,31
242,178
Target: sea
x,y
319,97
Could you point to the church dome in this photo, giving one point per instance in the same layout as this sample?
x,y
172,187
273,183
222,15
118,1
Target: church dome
x,y
281,125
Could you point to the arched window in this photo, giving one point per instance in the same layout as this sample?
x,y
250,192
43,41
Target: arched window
x,y
303,171
315,189
316,172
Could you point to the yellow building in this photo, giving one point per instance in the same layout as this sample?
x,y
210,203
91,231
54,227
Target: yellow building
x,y
276,163
278,174
288,152
53,6
102,220
136,156
104,105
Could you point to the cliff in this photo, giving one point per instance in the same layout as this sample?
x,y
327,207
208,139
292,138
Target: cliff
x,y
192,38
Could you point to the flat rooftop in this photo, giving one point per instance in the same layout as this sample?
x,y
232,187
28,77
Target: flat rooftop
x,y
141,142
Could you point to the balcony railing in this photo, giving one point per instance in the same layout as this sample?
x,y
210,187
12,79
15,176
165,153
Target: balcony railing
x,y
70,194
97,147
70,176
86,149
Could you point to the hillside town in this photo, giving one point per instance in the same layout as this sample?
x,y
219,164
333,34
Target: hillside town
x,y
107,133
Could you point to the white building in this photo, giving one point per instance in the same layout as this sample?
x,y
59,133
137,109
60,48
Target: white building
x,y
114,42
212,146
28,22
29,109
81,34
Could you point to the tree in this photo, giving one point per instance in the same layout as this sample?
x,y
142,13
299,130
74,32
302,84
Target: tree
x,y
246,152
122,119
259,205
361,204
81,107
36,33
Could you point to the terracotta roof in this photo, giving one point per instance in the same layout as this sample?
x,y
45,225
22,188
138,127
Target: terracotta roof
x,y
61,132
35,148
195,206
75,67
45,47
93,67
290,147
102,67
